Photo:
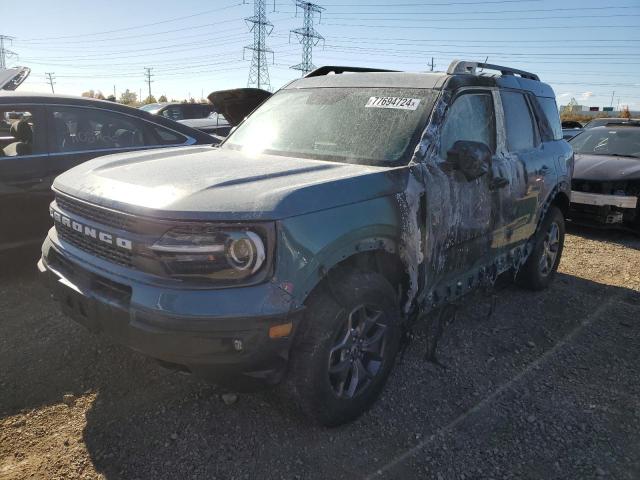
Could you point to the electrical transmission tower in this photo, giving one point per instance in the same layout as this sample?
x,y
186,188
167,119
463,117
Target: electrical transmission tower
x,y
5,52
147,76
51,79
307,35
261,28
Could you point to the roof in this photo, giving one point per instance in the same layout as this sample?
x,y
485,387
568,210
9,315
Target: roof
x,y
372,78
39,97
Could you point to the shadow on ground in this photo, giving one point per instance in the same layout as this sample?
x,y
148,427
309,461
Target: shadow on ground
x,y
575,415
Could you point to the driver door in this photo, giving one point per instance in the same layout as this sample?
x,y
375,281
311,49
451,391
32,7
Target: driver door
x,y
462,209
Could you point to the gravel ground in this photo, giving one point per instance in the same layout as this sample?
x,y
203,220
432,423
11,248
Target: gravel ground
x,y
547,387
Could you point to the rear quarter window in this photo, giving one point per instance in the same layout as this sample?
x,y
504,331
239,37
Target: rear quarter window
x,y
550,110
518,120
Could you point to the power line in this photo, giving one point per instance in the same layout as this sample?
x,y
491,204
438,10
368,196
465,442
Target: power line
x,y
135,27
51,78
477,12
424,4
564,27
494,19
308,36
261,27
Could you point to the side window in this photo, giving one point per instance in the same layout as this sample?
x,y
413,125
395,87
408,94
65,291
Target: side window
x,y
470,117
550,110
168,137
78,129
518,121
18,133
173,112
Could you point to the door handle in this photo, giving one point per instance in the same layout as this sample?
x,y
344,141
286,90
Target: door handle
x,y
27,183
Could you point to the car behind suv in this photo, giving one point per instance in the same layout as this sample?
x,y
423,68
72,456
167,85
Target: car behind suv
x,y
43,135
348,205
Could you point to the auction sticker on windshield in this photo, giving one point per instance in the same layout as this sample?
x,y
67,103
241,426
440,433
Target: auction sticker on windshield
x,y
401,103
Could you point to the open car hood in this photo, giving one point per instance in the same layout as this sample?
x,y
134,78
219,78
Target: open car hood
x,y
237,103
11,78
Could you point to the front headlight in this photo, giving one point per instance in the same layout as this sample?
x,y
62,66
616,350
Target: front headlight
x,y
231,254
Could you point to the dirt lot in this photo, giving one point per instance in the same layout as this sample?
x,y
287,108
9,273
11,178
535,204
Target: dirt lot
x,y
547,387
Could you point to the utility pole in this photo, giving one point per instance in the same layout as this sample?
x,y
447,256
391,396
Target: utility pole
x,y
5,52
261,28
612,94
50,78
148,75
307,35
432,65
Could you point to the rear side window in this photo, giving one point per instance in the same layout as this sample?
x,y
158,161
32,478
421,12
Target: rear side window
x,y
173,112
80,129
168,137
518,121
550,110
470,117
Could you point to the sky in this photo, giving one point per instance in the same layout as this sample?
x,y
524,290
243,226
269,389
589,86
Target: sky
x,y
585,49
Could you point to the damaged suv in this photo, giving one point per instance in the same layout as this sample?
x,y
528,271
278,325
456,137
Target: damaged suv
x,y
347,206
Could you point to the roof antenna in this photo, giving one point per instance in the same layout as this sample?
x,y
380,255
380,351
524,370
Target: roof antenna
x,y
485,61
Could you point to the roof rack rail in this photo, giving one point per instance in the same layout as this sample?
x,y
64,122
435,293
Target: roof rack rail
x,y
463,66
327,69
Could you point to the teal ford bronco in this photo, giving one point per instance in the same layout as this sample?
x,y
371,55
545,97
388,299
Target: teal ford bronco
x,y
346,206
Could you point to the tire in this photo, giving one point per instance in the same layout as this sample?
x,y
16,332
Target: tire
x,y
336,372
540,268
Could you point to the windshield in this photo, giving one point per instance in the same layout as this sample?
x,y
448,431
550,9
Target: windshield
x,y
151,108
352,125
623,141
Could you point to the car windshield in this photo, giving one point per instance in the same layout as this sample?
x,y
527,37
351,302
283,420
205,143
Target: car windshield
x,y
372,126
151,108
624,141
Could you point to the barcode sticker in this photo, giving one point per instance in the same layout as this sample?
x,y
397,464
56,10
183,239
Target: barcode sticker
x,y
401,103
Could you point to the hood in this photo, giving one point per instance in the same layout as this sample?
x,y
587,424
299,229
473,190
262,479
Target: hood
x,y
207,183
11,78
606,168
237,103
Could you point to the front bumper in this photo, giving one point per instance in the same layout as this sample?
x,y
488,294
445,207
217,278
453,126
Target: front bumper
x,y
601,200
221,335
600,210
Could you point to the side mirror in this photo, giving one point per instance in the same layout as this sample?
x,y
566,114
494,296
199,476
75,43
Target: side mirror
x,y
473,159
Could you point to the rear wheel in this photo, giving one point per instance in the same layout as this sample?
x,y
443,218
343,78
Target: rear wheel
x,y
343,355
540,268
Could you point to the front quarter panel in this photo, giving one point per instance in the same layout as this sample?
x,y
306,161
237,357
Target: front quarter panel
x,y
310,245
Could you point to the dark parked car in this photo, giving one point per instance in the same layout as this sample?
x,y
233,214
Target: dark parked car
x,y
231,107
179,111
342,210
570,129
214,124
43,135
602,121
606,182
12,78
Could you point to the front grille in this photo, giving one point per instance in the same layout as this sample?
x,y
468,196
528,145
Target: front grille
x,y
99,249
618,187
97,214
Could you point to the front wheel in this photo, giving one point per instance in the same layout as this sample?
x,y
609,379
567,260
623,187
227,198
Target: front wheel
x,y
346,347
540,268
